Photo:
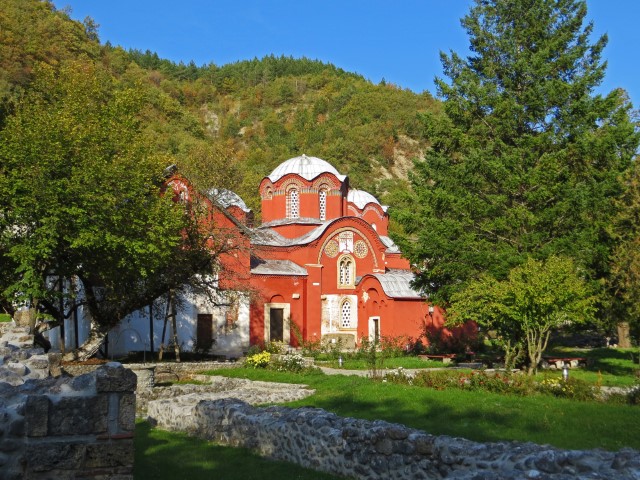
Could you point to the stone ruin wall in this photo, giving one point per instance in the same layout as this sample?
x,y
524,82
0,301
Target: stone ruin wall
x,y
364,449
60,427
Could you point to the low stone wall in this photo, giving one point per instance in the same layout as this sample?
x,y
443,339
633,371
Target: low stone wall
x,y
68,428
214,388
379,450
60,427
163,371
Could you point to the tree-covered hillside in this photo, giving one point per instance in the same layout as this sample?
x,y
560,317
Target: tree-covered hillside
x,y
231,125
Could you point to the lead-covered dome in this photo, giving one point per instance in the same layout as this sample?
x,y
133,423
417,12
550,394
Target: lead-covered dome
x,y
361,199
306,167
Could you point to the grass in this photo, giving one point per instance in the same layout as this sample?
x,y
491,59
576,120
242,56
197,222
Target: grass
x,y
5,317
404,362
174,456
474,415
609,366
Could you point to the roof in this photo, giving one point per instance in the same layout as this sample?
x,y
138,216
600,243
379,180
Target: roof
x,y
397,284
391,246
361,199
306,167
269,237
260,266
226,198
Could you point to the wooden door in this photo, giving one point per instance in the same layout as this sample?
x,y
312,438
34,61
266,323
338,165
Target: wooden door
x,y
204,334
276,324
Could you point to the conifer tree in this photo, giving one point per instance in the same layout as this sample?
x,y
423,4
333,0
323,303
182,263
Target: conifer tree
x,y
525,157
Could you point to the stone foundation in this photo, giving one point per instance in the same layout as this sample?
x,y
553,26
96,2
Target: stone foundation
x,y
379,450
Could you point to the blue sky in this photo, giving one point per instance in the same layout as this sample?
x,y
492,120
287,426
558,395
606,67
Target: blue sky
x,y
397,40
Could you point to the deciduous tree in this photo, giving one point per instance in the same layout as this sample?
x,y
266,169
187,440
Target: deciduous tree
x,y
523,310
80,197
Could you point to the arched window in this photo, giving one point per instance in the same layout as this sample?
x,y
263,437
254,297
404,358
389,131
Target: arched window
x,y
293,203
346,271
322,199
345,314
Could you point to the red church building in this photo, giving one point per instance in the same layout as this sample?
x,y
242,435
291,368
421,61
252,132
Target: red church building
x,y
322,262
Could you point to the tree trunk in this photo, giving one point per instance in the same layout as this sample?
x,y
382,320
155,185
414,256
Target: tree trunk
x,y
174,325
89,347
624,335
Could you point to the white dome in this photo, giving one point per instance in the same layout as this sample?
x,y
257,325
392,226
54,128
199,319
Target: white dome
x,y
361,198
306,167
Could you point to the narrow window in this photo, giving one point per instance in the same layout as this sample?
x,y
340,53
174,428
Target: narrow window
x,y
293,204
345,272
322,198
345,314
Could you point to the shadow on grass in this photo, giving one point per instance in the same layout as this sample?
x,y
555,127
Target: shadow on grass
x,y
615,361
166,455
476,415
485,417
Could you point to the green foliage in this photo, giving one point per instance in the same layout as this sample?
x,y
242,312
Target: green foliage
x,y
523,310
624,282
477,380
32,32
573,388
80,197
525,158
5,317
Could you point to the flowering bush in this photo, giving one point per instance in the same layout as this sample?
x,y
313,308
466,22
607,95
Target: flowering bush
x,y
572,388
399,376
258,360
288,363
514,384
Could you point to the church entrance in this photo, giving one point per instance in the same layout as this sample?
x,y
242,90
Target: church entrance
x,y
276,324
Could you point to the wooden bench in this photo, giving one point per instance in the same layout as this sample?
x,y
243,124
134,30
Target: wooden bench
x,y
444,358
560,362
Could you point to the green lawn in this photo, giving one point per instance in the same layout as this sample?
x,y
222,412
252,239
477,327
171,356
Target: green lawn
x,y
161,455
606,366
475,415
612,366
404,362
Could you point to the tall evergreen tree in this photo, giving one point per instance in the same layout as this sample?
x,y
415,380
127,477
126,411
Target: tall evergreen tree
x,y
525,158
624,282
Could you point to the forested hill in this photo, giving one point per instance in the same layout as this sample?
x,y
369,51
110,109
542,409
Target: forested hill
x,y
231,125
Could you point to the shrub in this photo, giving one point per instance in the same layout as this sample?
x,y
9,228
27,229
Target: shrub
x,y
436,379
572,388
510,383
394,347
275,347
399,376
258,360
288,363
